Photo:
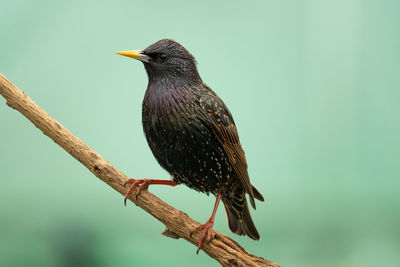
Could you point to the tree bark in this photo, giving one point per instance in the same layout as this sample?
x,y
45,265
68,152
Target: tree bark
x,y
178,224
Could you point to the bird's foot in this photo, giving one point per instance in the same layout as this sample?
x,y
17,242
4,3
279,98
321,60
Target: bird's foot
x,y
207,231
143,185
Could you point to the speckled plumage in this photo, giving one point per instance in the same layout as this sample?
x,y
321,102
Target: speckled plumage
x,y
192,133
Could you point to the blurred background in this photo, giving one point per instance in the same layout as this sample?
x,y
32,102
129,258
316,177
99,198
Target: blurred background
x,y
314,89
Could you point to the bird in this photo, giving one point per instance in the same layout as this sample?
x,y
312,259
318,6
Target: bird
x,y
193,136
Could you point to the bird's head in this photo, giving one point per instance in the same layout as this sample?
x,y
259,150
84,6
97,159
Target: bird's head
x,y
166,60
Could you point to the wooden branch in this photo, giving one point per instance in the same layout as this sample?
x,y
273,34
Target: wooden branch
x,y
225,250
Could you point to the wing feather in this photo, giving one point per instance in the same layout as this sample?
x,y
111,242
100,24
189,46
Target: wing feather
x,y
227,134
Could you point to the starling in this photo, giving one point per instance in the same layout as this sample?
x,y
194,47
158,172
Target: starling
x,y
193,136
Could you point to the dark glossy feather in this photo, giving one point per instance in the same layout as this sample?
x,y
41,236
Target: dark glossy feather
x,y
193,135
226,133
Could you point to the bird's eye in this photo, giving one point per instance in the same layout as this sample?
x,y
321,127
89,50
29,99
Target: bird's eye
x,y
158,57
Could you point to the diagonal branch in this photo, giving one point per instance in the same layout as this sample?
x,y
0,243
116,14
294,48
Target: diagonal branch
x,y
178,224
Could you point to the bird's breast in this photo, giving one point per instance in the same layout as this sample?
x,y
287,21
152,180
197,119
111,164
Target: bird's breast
x,y
179,134
167,118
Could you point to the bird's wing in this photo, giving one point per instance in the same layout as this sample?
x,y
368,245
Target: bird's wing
x,y
225,130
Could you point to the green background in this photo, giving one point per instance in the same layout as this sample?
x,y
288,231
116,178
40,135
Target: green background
x,y
314,87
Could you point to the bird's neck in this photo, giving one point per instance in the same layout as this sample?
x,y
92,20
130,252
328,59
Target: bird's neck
x,y
186,77
164,96
168,83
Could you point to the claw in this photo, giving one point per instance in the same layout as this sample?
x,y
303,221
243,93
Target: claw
x,y
134,184
206,234
143,185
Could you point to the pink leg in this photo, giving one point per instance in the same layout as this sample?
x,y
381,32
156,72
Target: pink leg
x,y
144,185
207,227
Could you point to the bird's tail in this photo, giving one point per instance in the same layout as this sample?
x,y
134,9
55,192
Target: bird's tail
x,y
239,218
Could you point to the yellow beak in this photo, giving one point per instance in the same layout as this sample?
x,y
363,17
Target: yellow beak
x,y
136,54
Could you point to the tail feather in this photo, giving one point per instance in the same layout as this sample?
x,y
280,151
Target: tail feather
x,y
239,219
257,194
